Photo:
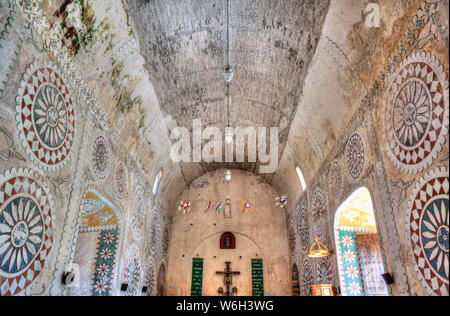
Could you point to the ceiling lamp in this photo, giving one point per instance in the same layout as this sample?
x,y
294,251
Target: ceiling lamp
x,y
228,74
318,250
228,175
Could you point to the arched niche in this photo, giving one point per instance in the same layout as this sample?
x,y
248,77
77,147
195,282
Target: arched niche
x,y
227,241
358,250
97,247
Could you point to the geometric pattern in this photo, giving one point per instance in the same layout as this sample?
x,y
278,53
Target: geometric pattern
x,y
26,230
292,238
356,156
45,117
155,227
348,264
165,242
417,113
104,265
137,225
428,227
324,272
303,229
307,277
317,201
150,277
120,180
132,273
335,181
100,156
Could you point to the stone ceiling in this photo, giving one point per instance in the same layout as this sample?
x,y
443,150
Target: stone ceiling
x,y
184,45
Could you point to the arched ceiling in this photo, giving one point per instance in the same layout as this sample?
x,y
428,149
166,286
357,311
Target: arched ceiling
x,y
184,45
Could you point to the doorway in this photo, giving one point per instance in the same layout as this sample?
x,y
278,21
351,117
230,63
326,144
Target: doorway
x,y
358,248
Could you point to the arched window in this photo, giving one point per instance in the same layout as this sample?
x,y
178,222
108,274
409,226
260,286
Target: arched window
x,y
227,241
157,181
301,178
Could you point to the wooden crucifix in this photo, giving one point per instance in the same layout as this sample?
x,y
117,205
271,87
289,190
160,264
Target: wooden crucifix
x,y
228,277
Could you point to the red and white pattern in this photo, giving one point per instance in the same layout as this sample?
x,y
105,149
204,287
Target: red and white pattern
x,y
416,113
26,233
45,117
428,227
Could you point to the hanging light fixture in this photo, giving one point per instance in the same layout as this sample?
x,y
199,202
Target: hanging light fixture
x,y
228,73
228,174
228,77
318,250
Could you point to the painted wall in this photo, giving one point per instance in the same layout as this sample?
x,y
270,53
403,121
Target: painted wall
x,y
402,159
261,233
86,144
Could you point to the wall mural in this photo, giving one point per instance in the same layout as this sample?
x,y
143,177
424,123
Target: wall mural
x,y
150,277
428,222
45,117
120,180
307,277
132,272
303,228
98,215
335,181
100,157
417,113
26,229
356,156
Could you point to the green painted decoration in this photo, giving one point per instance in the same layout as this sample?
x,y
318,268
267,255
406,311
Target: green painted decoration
x,y
257,277
197,277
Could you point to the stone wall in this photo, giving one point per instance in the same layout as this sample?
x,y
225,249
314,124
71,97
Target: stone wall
x,y
383,147
260,233
63,133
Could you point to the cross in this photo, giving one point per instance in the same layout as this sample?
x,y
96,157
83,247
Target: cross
x,y
228,277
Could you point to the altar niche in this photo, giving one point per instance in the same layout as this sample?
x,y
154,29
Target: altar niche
x,y
227,241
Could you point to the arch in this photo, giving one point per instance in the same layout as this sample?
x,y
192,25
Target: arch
x,y
157,182
295,280
357,246
100,225
161,281
227,241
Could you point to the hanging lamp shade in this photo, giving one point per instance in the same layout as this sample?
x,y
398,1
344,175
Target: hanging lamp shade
x,y
318,250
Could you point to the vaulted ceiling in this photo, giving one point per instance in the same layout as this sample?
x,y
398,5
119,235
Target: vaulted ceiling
x,y
272,44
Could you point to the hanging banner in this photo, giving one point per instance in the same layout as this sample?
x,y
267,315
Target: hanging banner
x,y
257,277
197,277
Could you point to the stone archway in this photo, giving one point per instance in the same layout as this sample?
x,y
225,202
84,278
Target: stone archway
x,y
358,248
161,283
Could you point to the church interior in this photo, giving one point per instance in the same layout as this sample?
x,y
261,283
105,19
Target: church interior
x,y
224,148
